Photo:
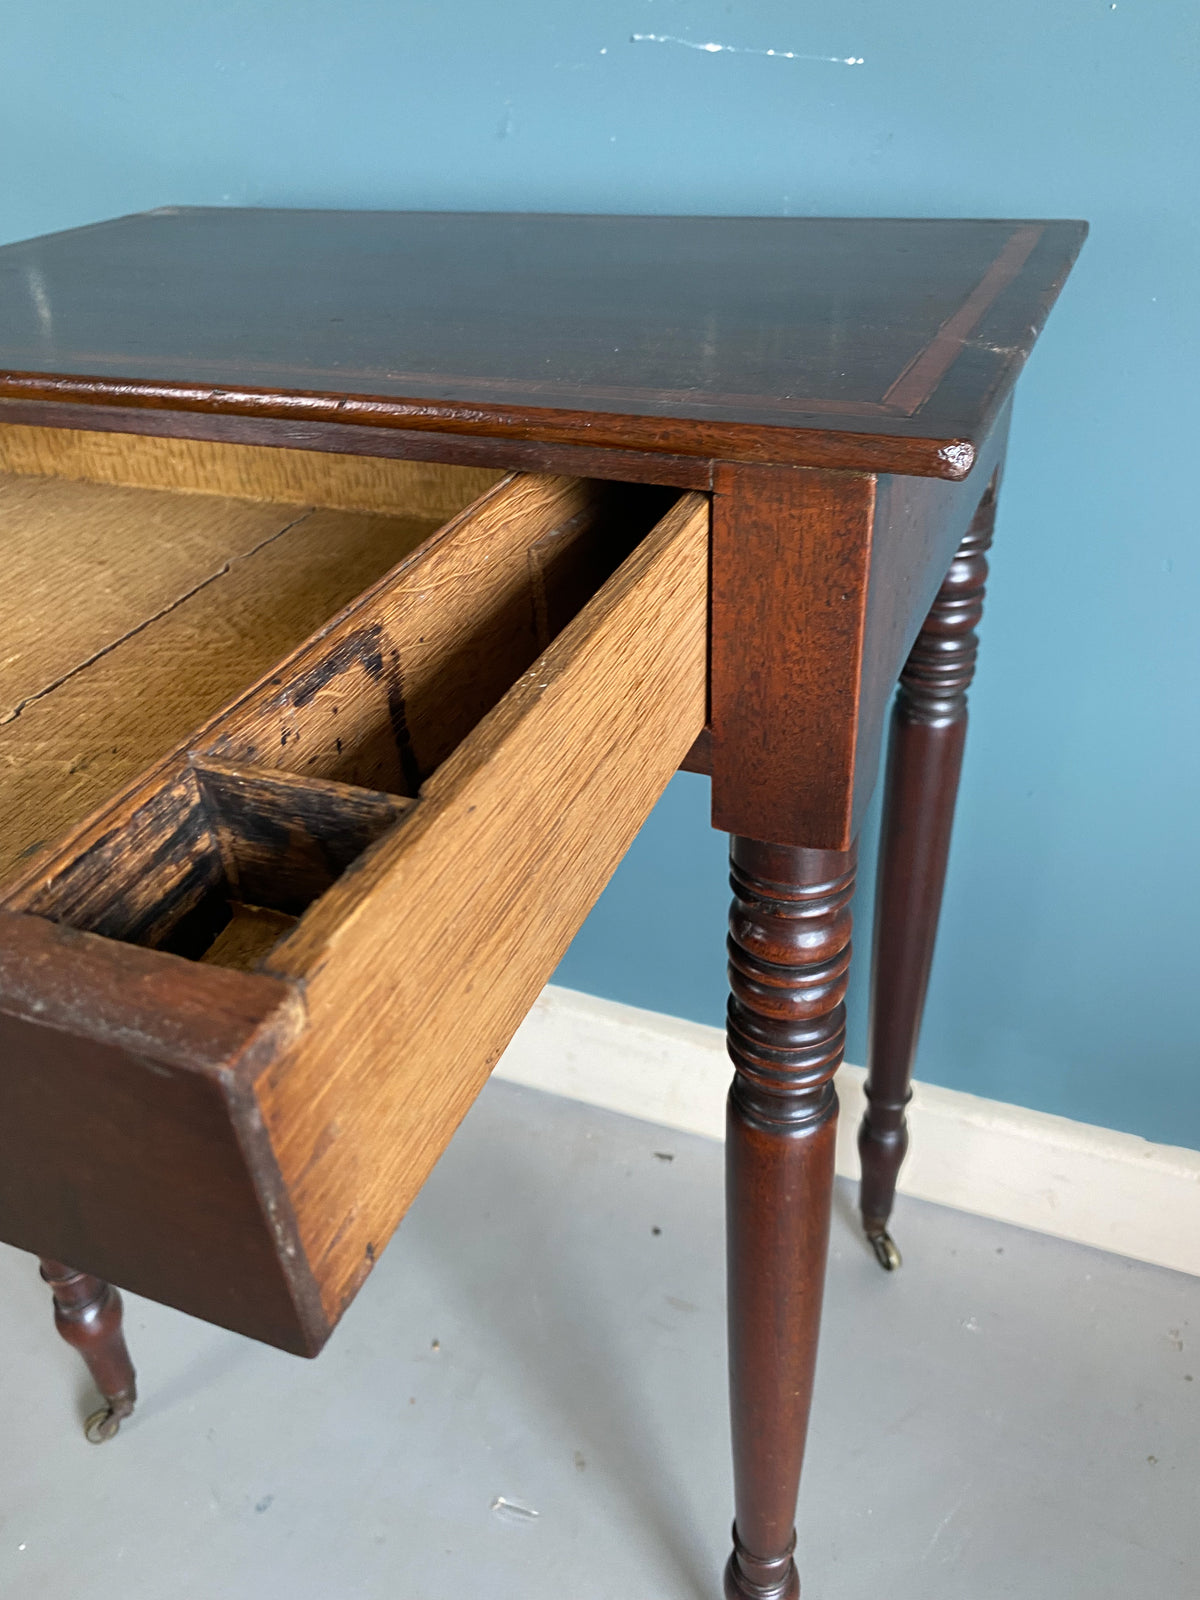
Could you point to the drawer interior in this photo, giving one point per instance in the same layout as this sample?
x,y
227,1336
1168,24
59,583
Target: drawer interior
x,y
225,849
220,861
382,699
246,1000
148,581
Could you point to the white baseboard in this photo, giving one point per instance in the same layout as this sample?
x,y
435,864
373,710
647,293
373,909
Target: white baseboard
x,y
1091,1185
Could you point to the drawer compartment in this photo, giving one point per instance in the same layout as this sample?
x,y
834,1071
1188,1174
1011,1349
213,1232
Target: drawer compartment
x,y
244,1006
148,581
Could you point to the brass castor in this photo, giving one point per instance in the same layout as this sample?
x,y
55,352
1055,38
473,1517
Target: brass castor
x,y
884,1246
105,1423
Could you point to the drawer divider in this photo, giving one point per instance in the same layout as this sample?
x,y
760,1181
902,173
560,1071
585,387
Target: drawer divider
x,y
284,839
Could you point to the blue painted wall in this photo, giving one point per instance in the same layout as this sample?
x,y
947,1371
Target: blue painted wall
x,y
1067,969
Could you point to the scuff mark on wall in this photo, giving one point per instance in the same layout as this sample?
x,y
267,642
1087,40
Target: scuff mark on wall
x,y
41,299
742,50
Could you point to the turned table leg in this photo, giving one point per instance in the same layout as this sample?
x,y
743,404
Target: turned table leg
x,y
789,954
87,1313
925,747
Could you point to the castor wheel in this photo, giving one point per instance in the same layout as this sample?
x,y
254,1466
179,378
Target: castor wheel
x,y
884,1246
105,1423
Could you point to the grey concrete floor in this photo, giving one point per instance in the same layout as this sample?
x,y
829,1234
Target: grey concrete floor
x,y
1007,1416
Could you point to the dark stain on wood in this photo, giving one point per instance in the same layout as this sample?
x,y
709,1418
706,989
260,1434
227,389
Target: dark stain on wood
x,y
285,839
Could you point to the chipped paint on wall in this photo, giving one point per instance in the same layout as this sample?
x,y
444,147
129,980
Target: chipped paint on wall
x,y
712,48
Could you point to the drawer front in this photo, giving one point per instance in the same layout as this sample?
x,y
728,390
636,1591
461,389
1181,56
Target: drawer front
x,y
367,867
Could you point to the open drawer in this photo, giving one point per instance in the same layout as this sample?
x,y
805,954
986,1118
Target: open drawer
x,y
245,1004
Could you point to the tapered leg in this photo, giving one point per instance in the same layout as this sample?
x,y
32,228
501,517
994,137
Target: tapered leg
x,y
87,1313
925,747
789,954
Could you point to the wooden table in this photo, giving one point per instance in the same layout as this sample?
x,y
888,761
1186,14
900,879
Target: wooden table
x,y
368,576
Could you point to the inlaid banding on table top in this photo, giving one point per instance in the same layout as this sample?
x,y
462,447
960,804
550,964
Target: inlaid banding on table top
x,y
903,398
603,325
929,366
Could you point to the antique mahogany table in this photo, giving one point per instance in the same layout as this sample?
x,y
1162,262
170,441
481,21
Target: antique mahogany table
x,y
367,575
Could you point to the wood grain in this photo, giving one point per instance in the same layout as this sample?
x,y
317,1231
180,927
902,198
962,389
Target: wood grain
x,y
149,866
820,583
251,472
879,448
384,695
69,751
283,840
85,566
344,438
791,553
165,867
422,960
249,935
474,606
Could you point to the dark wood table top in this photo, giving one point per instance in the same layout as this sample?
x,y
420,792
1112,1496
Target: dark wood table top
x,y
886,345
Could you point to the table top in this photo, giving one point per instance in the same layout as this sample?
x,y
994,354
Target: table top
x,y
884,345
